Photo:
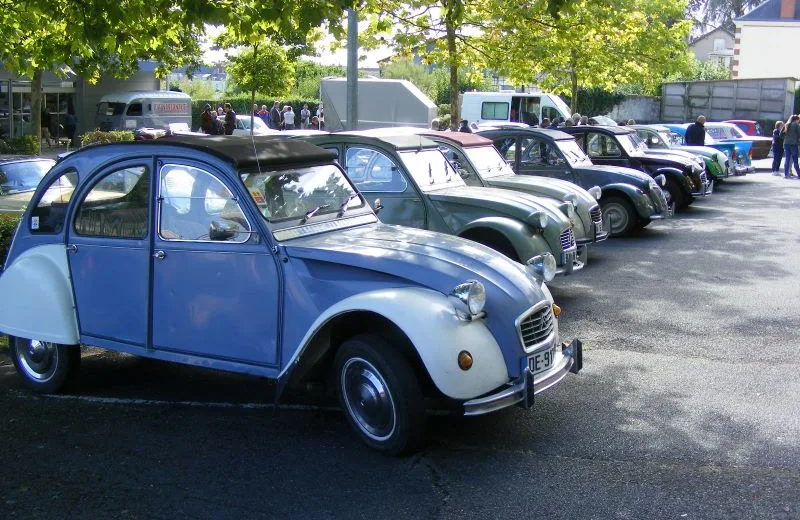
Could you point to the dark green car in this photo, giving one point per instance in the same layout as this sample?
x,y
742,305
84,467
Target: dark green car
x,y
413,184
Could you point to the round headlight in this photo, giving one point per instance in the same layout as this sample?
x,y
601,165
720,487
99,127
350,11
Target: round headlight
x,y
472,294
596,192
542,267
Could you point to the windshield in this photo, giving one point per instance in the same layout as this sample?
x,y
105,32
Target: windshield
x,y
292,194
666,137
488,161
631,143
431,170
22,176
573,153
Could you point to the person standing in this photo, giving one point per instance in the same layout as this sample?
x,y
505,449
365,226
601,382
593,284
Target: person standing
x,y
305,116
230,118
696,132
264,114
791,141
70,126
45,121
288,118
207,120
275,116
777,148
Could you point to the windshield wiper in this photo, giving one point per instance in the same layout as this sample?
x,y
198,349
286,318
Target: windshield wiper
x,y
310,213
343,205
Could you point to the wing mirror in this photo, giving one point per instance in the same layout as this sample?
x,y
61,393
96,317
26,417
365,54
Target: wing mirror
x,y
661,180
377,206
219,232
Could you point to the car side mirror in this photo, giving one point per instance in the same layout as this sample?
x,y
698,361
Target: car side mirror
x,y
219,232
377,206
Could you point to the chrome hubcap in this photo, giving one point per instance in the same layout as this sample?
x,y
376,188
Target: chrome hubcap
x,y
617,217
38,359
367,398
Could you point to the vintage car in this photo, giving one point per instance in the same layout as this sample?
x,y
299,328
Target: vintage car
x,y
618,146
748,126
19,177
411,183
630,199
258,256
659,138
738,152
761,146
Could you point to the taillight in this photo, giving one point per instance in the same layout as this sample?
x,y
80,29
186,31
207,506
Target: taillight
x,y
750,153
733,156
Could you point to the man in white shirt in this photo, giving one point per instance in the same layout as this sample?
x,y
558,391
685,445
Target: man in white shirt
x,y
288,118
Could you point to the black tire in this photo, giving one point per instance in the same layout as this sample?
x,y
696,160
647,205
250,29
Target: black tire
x,y
620,215
675,191
643,223
45,368
397,424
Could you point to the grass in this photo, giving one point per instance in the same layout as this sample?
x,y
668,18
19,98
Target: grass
x,y
3,342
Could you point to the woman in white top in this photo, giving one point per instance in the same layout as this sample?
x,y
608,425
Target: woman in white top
x,y
288,119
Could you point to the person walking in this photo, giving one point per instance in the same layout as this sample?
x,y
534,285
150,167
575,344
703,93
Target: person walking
x,y
288,118
207,118
45,125
791,141
777,148
230,118
696,132
275,116
71,126
305,116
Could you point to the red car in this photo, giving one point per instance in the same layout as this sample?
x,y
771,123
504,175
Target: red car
x,y
748,127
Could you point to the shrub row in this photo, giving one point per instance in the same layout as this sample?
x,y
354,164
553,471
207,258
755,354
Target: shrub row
x,y
8,224
97,136
25,145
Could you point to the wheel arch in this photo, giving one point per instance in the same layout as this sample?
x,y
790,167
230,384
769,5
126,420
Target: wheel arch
x,y
525,242
640,202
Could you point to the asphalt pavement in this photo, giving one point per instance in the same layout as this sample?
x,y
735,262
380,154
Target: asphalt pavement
x,y
687,407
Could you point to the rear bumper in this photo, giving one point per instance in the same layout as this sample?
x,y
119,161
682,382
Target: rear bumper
x,y
522,390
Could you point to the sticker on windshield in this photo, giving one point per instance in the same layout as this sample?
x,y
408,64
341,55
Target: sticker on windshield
x,y
34,223
257,196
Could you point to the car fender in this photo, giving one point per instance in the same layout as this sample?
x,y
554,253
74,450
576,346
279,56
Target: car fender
x,y
641,202
38,301
430,322
523,239
676,175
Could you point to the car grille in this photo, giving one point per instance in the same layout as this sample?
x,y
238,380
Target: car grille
x,y
596,215
567,239
537,327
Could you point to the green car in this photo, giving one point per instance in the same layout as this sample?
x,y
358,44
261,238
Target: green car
x,y
658,137
411,183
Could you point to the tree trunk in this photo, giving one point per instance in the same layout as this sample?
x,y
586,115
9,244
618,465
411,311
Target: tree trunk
x,y
455,108
36,109
253,93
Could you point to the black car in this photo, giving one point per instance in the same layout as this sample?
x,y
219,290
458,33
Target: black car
x,y
618,146
630,199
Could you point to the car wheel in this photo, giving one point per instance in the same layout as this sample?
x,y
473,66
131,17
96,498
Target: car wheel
x,y
45,367
380,394
676,194
620,215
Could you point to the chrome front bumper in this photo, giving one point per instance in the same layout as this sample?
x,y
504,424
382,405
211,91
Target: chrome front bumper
x,y
570,262
598,235
522,390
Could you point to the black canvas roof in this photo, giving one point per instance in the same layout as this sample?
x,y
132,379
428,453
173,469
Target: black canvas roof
x,y
556,135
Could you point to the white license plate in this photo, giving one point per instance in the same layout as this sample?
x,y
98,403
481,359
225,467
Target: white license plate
x,y
543,360
598,227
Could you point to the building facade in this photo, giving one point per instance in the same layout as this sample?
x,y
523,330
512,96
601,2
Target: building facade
x,y
715,45
766,39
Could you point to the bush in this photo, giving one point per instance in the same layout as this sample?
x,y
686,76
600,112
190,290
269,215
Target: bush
x,y
241,105
25,145
114,136
443,109
8,224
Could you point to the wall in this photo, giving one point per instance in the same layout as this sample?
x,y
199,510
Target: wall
x,y
642,109
765,51
757,99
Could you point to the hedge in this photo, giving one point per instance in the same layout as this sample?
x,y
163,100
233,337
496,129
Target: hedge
x,y
25,145
8,224
241,105
97,136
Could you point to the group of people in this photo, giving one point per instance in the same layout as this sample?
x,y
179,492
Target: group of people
x,y
785,142
223,120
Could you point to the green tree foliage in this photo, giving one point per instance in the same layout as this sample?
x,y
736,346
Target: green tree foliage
x,y
702,71
592,44
720,13
308,77
197,88
263,70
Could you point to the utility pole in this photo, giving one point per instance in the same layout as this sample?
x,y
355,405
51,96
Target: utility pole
x,y
352,69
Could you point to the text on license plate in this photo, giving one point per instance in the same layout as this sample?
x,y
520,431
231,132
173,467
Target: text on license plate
x,y
543,360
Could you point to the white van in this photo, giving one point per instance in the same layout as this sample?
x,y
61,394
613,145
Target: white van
x,y
144,109
518,107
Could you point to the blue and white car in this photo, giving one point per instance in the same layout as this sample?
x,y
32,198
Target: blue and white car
x,y
260,257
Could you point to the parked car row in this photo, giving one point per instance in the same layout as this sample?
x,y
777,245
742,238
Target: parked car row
x,y
394,266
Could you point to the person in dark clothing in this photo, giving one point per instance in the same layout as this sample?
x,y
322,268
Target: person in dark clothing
x,y
207,119
463,126
70,126
777,148
45,121
275,116
696,132
230,118
791,145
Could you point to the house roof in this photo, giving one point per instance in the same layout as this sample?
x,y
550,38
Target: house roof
x,y
709,33
770,11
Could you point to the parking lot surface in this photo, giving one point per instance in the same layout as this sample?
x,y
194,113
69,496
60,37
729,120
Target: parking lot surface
x,y
687,407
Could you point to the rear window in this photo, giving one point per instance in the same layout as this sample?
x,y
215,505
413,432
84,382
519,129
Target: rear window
x,y
494,110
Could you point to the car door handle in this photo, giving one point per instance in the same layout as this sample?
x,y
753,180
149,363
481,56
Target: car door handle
x,y
159,255
72,248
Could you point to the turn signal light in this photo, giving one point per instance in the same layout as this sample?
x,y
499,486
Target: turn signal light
x,y
464,360
556,310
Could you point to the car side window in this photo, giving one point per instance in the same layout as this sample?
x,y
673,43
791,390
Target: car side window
x,y
540,153
372,171
134,109
494,110
196,206
116,207
716,133
599,145
507,148
458,162
49,213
